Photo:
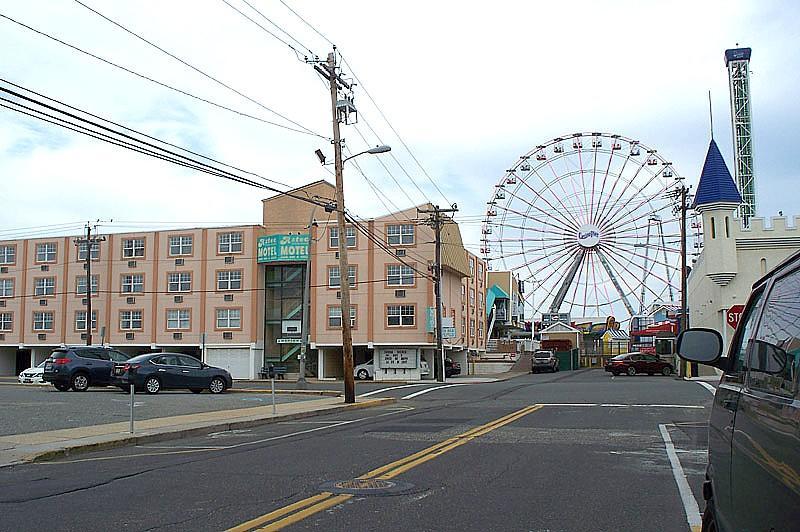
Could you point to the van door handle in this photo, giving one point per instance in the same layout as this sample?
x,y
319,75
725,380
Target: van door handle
x,y
184,371
162,370
729,404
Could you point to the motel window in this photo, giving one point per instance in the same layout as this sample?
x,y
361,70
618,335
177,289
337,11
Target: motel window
x,y
179,282
399,275
229,280
230,243
132,248
229,318
8,254
46,252
80,320
6,287
130,320
83,246
180,245
42,321
6,321
45,286
178,319
133,283
400,315
402,234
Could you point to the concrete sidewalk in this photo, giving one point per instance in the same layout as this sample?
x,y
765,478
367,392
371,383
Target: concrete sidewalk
x,y
22,448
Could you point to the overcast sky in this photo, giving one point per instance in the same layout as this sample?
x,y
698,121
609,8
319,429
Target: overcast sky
x,y
470,86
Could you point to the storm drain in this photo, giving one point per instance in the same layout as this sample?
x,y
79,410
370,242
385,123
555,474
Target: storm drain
x,y
369,486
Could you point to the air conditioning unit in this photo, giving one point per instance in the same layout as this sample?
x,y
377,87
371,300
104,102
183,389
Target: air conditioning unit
x,y
336,255
130,300
177,336
85,266
178,299
2,302
129,336
3,269
229,259
227,336
83,336
42,302
131,264
338,295
41,336
400,252
45,268
228,297
84,301
2,337
178,262
399,293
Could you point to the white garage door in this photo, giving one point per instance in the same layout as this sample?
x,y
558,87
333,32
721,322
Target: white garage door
x,y
236,361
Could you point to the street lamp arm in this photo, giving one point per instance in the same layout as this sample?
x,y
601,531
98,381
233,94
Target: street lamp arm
x,y
374,151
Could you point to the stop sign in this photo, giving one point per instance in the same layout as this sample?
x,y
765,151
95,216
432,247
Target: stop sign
x,y
733,314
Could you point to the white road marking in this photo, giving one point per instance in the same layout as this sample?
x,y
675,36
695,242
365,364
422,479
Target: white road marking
x,y
417,394
687,497
186,450
622,405
373,392
707,386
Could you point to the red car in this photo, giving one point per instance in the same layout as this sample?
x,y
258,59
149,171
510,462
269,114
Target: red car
x,y
633,363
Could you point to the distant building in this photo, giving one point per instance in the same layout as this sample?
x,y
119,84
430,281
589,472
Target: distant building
x,y
233,296
733,257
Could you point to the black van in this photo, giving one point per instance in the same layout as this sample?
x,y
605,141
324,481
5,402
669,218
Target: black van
x,y
80,367
753,474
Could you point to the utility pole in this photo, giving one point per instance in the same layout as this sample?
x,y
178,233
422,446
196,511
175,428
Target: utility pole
x,y
681,194
302,384
344,278
89,241
436,222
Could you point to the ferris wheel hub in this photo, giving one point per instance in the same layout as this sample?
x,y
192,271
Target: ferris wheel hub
x,y
588,236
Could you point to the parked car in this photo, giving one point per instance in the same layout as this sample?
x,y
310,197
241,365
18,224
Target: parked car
x,y
544,359
33,375
154,372
80,367
365,371
451,368
633,363
753,474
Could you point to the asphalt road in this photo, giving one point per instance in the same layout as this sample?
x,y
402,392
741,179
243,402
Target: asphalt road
x,y
568,451
36,408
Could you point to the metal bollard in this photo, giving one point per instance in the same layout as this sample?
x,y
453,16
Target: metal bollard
x,y
272,385
132,395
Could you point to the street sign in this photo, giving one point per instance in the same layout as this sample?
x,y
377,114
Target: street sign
x,y
733,315
282,248
289,341
448,332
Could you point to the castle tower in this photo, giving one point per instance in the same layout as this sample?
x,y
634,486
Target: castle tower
x,y
737,60
717,199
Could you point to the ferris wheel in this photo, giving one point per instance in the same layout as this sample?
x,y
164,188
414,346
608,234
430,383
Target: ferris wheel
x,y
588,221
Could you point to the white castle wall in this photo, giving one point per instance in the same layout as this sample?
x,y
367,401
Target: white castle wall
x,y
758,249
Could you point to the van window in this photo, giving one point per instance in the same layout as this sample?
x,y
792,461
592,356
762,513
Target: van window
x,y
741,340
776,351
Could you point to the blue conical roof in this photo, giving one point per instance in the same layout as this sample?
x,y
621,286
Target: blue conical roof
x,y
716,184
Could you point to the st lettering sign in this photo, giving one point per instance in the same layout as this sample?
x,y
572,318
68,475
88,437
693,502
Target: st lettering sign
x,y
283,248
733,315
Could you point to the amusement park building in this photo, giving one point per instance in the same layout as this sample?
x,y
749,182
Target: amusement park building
x,y
207,293
733,257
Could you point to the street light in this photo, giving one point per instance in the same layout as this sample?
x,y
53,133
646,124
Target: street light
x,y
344,278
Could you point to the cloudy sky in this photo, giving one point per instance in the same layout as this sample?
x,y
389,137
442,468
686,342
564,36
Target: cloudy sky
x,y
470,86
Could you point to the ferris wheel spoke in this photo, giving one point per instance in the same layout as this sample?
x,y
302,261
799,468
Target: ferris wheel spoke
x,y
656,296
598,212
641,269
633,254
551,258
564,224
653,212
508,209
615,280
594,285
613,218
602,213
657,247
592,211
558,180
564,261
568,224
558,299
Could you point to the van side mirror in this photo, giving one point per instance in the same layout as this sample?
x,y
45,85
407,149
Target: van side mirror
x,y
768,358
701,345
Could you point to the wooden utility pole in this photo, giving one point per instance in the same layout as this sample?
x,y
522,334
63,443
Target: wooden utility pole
x,y
436,221
344,278
89,241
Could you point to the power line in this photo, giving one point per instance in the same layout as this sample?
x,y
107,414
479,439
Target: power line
x,y
201,72
155,81
274,24
136,144
295,13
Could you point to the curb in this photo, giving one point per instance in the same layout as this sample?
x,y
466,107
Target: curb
x,y
204,429
325,393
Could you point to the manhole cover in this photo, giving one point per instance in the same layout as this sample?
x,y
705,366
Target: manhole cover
x,y
368,484
371,486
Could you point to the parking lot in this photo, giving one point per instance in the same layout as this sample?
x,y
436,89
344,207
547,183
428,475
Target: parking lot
x,y
40,408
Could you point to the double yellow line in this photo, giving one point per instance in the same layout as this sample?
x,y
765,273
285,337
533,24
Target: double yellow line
x,y
295,512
